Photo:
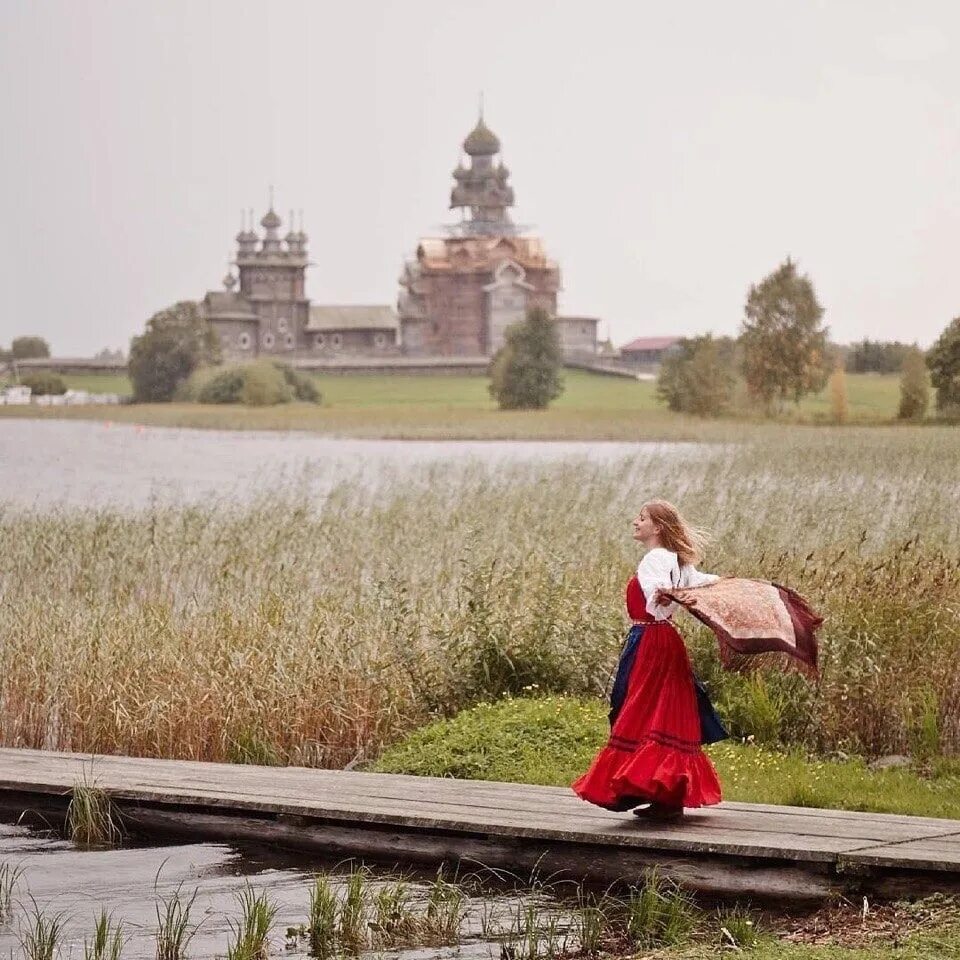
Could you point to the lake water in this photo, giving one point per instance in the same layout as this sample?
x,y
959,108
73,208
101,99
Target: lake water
x,y
45,463
60,880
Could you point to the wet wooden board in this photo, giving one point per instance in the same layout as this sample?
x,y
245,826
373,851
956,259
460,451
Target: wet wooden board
x,y
336,807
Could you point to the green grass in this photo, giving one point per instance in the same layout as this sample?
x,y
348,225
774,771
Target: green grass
x,y
440,406
551,740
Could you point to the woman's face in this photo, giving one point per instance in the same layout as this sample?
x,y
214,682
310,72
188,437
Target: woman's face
x,y
644,529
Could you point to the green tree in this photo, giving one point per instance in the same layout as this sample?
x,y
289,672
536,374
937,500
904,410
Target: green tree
x,y
175,342
914,386
698,375
784,343
525,373
26,348
943,359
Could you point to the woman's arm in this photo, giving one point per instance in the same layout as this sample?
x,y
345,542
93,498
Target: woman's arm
x,y
654,574
698,579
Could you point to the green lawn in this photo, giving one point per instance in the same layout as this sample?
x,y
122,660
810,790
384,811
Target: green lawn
x,y
592,407
552,740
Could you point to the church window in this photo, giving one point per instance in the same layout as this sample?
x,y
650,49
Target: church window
x,y
244,341
380,340
268,340
319,340
288,340
282,324
336,340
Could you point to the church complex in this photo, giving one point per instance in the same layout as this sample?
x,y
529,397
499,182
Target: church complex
x,y
457,295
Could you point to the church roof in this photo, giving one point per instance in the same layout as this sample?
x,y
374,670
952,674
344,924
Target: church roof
x,y
481,141
481,253
224,304
351,317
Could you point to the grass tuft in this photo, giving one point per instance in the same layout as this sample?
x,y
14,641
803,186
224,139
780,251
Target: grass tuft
x,y
92,818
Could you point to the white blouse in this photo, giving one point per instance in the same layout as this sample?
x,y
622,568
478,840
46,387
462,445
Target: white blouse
x,y
660,570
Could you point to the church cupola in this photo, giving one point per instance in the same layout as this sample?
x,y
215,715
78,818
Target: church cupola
x,y
292,239
481,141
247,237
481,190
271,223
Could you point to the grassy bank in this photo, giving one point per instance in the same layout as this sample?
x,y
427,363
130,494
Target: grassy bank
x,y
551,740
592,407
276,633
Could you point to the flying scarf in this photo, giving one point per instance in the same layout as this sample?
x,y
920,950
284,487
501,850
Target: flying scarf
x,y
753,616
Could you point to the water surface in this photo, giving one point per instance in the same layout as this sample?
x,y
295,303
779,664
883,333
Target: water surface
x,y
76,463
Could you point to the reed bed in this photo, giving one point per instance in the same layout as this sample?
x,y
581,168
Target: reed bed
x,y
283,631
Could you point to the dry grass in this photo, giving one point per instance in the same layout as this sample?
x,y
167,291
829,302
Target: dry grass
x,y
274,633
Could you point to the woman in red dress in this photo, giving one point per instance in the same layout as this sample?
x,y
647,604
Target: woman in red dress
x,y
660,714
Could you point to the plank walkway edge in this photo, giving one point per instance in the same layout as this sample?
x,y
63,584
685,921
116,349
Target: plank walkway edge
x,y
732,850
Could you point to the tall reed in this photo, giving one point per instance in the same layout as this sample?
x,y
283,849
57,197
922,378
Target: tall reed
x,y
283,631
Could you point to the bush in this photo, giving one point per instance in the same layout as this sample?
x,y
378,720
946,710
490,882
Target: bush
x,y
525,373
41,383
303,386
225,386
698,377
839,407
914,387
264,385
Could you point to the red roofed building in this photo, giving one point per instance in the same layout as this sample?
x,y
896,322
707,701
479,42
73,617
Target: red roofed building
x,y
648,350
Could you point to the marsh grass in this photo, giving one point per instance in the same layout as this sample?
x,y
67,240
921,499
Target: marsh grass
x,y
174,929
251,933
108,939
9,879
92,819
286,632
42,936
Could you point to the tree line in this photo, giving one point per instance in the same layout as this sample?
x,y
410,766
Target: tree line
x,y
782,354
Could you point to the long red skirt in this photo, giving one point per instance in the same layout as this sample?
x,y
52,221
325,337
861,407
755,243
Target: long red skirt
x,y
654,751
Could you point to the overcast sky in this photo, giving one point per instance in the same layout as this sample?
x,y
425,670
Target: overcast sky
x,y
670,154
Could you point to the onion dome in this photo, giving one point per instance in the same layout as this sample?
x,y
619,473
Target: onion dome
x,y
292,236
229,282
461,173
502,171
481,141
270,220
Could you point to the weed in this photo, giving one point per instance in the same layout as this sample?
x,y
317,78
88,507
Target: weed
x,y
251,932
108,940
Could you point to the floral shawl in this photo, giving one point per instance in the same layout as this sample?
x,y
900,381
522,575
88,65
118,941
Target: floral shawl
x,y
754,616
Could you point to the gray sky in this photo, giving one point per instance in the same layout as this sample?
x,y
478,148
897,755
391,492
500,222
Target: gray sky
x,y
669,153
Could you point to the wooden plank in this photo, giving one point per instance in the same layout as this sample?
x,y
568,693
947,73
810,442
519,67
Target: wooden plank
x,y
381,803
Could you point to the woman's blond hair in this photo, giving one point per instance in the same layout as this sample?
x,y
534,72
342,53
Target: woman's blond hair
x,y
687,541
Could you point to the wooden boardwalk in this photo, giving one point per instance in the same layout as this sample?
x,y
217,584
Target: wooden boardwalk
x,y
734,849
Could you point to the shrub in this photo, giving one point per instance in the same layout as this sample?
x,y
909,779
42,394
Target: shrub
x,y
41,383
225,386
525,373
839,407
698,377
914,387
303,386
264,385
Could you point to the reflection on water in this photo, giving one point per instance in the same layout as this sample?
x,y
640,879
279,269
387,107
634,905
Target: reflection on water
x,y
82,463
59,878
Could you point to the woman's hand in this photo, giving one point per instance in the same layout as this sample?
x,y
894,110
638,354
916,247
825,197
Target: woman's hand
x,y
660,600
